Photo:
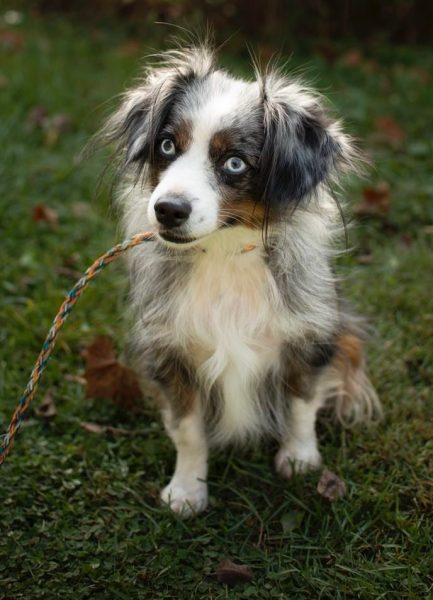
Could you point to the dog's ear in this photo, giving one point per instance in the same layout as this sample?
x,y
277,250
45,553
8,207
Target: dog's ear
x,y
135,126
302,147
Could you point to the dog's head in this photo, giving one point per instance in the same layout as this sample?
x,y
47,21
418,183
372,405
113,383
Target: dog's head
x,y
214,151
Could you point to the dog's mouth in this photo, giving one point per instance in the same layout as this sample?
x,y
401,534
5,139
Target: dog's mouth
x,y
168,236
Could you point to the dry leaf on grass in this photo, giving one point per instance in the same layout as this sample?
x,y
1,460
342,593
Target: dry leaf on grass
x,y
81,209
11,39
75,378
365,259
106,377
330,486
100,429
44,214
52,126
232,574
376,201
390,130
47,408
352,58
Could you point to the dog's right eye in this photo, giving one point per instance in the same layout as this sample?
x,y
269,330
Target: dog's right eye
x,y
167,148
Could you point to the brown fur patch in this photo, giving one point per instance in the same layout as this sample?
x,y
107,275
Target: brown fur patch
x,y
245,211
183,135
349,349
220,143
177,381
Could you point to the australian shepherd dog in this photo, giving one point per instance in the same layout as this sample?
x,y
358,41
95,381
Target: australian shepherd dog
x,y
238,326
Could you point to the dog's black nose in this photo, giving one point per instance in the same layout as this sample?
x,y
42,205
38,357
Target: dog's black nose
x,y
172,211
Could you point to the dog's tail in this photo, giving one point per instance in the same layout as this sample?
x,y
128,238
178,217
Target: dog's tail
x,y
349,390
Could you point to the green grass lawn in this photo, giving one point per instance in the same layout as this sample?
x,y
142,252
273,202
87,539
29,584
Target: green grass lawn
x,y
79,512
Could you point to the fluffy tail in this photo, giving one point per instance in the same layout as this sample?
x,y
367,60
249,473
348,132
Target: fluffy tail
x,y
348,388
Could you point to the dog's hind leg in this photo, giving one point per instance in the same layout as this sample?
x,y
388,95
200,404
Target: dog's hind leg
x,y
299,449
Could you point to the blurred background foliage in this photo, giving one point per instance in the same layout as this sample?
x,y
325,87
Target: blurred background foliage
x,y
400,21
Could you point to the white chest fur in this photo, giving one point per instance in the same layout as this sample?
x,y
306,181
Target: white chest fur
x,y
228,322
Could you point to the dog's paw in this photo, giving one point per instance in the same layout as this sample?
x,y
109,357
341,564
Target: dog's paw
x,y
185,499
291,459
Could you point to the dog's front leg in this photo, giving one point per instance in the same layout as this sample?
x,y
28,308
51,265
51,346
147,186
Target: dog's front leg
x,y
186,493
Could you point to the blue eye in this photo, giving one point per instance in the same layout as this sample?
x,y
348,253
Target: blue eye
x,y
167,147
235,165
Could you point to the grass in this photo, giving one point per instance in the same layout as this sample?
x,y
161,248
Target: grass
x,y
79,513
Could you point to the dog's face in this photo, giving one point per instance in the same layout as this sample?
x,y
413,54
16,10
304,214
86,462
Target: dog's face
x,y
206,160
217,152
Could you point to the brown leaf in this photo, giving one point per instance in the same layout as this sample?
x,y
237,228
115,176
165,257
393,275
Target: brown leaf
x,y
47,408
4,81
391,131
93,427
108,378
330,486
328,51
55,126
129,48
44,214
232,574
75,378
365,259
81,209
12,40
100,429
352,58
376,201
38,116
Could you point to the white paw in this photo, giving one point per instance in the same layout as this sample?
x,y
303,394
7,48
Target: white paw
x,y
292,459
185,499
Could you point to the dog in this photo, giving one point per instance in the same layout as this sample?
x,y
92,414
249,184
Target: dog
x,y
238,326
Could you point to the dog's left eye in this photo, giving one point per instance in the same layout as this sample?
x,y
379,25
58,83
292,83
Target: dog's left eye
x,y
167,147
235,165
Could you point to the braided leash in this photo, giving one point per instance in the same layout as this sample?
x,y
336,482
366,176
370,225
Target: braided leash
x,y
50,340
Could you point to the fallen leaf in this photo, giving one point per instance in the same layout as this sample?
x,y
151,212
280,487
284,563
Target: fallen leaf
x,y
130,48
330,486
390,130
376,201
43,213
352,58
100,429
12,40
106,377
406,240
47,408
55,127
365,259
232,574
37,116
428,229
81,209
75,379
328,51
93,427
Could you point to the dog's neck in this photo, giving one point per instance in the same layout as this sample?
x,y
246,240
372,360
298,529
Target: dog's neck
x,y
231,241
